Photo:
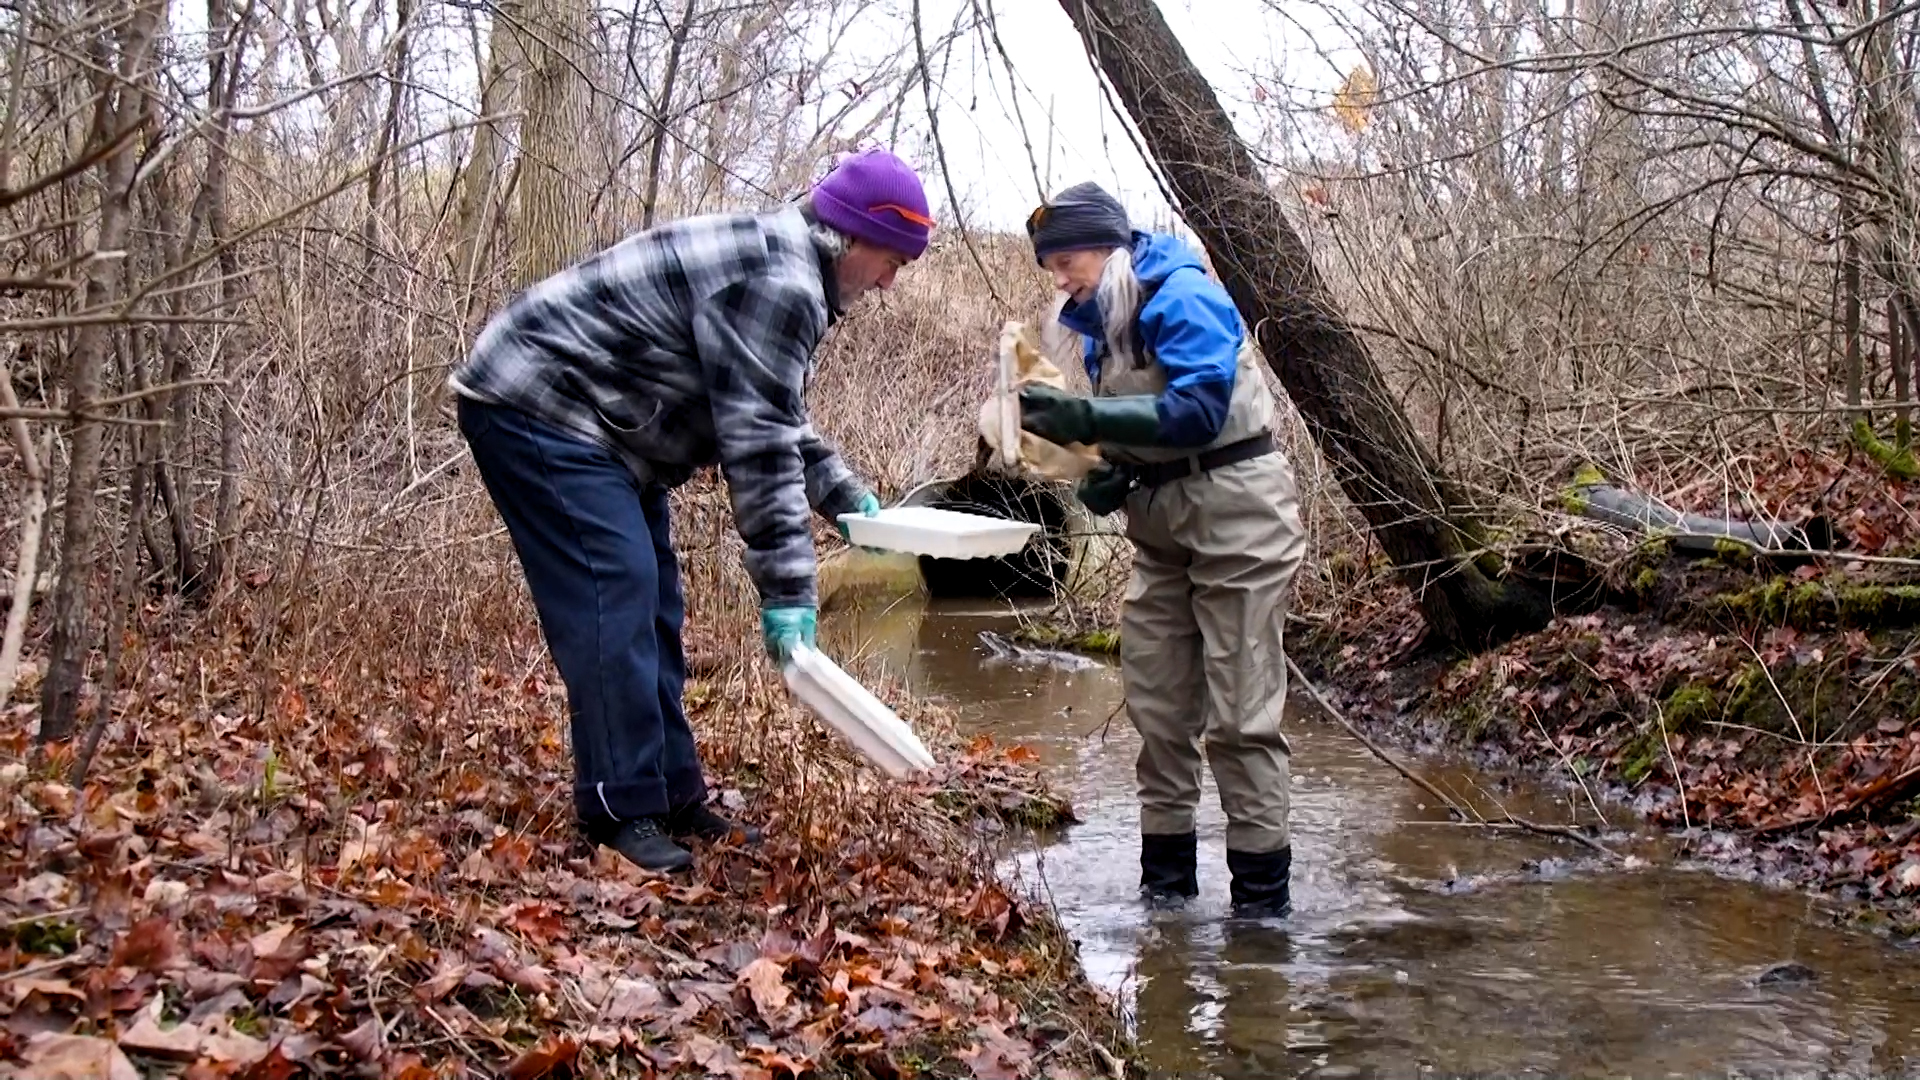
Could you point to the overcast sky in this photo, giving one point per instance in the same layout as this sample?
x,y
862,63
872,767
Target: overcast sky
x,y
1075,135
1233,42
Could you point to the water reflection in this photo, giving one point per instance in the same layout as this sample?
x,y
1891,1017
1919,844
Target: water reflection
x,y
1415,947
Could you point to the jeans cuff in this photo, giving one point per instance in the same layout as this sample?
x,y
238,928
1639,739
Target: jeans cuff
x,y
622,801
682,796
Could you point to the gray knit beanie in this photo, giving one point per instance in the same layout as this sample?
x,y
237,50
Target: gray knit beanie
x,y
1083,216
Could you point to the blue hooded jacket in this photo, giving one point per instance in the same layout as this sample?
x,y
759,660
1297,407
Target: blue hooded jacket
x,y
1189,324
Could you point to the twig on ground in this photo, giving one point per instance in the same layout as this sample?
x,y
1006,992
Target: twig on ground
x,y
1571,771
29,920
42,966
1679,779
1466,815
1864,800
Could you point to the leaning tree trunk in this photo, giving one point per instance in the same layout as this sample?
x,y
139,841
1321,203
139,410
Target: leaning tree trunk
x,y
1412,507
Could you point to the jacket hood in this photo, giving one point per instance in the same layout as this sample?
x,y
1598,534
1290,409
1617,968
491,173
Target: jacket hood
x,y
1155,257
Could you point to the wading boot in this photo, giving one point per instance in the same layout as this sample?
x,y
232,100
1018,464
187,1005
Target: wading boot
x,y
1168,874
1260,889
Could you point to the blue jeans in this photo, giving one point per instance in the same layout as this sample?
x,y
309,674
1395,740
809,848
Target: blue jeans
x,y
594,544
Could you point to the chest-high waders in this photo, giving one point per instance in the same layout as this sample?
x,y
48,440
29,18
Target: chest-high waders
x,y
1217,538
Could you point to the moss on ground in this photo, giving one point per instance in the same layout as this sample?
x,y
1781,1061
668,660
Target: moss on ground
x,y
1782,601
1048,635
1896,458
1684,710
1689,705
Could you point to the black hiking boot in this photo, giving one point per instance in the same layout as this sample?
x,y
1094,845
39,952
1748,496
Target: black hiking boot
x,y
695,820
642,841
1260,883
1168,872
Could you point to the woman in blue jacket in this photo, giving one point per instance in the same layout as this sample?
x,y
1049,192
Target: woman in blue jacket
x,y
1183,418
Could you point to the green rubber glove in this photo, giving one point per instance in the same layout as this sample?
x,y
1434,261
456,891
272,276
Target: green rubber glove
x,y
869,506
1104,489
1063,418
781,628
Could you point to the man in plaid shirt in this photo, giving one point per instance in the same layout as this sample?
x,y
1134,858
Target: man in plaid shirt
x,y
598,389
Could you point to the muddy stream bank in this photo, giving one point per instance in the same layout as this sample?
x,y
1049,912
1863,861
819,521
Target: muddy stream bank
x,y
1416,947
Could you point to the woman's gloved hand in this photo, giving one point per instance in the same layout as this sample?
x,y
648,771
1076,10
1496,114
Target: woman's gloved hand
x,y
781,628
1063,418
869,506
1104,489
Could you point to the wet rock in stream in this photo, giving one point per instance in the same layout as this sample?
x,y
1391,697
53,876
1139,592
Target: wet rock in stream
x,y
1786,973
1386,944
1532,872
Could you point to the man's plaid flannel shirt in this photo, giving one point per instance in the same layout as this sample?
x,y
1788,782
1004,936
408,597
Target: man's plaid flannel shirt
x,y
689,345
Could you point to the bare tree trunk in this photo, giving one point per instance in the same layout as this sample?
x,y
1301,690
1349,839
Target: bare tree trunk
x,y
372,312
1899,355
725,89
17,62
555,220
118,600
33,514
481,187
387,136
225,70
603,149
120,96
663,114
1850,320
1411,505
166,249
175,251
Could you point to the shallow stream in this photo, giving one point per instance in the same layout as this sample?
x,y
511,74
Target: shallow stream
x,y
1416,947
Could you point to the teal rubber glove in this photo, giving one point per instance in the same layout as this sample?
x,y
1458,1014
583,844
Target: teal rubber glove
x,y
1104,489
781,628
1063,418
869,506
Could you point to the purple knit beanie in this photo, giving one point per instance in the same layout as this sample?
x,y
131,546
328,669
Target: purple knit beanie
x,y
874,196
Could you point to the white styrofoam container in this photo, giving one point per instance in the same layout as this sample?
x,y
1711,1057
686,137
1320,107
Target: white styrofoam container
x,y
946,534
849,708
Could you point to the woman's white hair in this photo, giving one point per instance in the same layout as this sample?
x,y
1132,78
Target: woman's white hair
x,y
1118,295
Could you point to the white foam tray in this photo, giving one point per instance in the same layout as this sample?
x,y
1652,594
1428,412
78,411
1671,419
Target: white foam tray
x,y
850,709
946,534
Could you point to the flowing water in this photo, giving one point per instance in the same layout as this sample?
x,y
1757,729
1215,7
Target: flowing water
x,y
1415,948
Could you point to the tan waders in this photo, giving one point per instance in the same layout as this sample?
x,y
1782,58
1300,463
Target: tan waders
x,y
1217,539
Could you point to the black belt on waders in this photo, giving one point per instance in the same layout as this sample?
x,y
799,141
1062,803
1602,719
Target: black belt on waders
x,y
1154,473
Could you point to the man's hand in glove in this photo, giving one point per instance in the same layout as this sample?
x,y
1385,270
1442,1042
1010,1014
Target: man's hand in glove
x,y
781,628
869,506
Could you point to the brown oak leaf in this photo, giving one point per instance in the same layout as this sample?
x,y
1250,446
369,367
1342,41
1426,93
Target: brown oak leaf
x,y
549,1055
765,980
149,945
76,1057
